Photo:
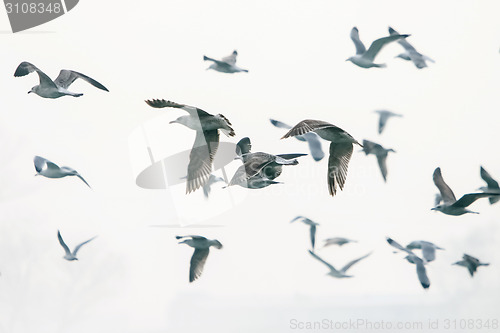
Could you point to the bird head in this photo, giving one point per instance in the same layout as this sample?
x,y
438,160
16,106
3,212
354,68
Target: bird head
x,y
33,90
438,208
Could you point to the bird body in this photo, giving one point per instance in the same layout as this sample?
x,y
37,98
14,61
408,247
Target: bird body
x,y
471,263
410,53
428,249
49,169
339,274
226,64
380,152
312,228
338,241
201,247
384,115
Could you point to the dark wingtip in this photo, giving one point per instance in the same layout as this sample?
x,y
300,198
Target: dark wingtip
x,y
426,286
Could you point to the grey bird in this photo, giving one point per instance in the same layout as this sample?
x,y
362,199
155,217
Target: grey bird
x,y
470,263
311,138
341,148
342,272
312,228
384,115
338,241
428,249
206,143
48,169
70,256
380,152
365,58
414,259
201,247
410,53
492,186
450,205
57,88
259,169
226,64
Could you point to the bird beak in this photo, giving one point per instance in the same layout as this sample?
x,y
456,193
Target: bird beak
x,y
29,91
173,122
433,209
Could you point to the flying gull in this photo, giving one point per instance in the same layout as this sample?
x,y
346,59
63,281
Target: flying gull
x,y
201,247
471,263
205,145
338,241
55,89
410,53
311,138
336,273
373,148
312,228
450,205
341,148
49,169
384,115
364,58
428,249
414,259
69,255
226,64
492,186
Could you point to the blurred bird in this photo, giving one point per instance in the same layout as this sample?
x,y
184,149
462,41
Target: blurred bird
x,y
311,138
201,247
336,273
206,143
428,249
410,53
471,263
452,206
312,228
71,256
49,169
492,186
54,89
207,187
414,259
226,65
341,148
380,152
338,241
364,58
384,115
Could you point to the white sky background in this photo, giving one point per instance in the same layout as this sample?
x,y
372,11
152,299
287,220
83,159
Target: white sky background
x,y
134,278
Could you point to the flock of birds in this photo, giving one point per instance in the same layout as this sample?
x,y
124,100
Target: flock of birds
x,y
260,169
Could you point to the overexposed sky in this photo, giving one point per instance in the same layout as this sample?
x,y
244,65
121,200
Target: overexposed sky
x,y
134,277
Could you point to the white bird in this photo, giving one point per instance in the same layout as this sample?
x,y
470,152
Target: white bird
x,y
201,247
364,58
206,143
207,188
312,228
49,169
226,64
428,249
414,259
470,263
492,186
341,148
311,138
70,256
452,206
410,53
338,241
384,115
380,152
57,88
342,272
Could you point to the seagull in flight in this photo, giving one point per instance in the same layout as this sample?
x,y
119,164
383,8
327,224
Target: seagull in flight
x,y
384,115
338,241
49,169
70,256
206,143
452,206
428,249
410,53
201,247
312,228
341,148
57,88
492,186
364,58
342,272
226,64
311,138
414,259
373,148
471,263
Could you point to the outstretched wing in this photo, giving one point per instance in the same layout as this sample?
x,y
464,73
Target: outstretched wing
x,y
314,145
244,146
468,199
348,265
67,77
25,68
403,42
280,124
200,159
161,103
360,47
421,272
306,126
324,262
197,263
382,163
61,241
340,154
75,251
378,44
488,179
41,162
446,192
